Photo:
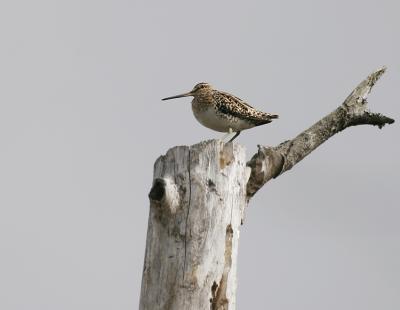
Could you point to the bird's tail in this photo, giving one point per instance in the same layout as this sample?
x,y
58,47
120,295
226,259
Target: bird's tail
x,y
267,118
272,116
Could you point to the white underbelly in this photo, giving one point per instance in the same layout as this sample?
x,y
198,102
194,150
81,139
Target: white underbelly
x,y
210,119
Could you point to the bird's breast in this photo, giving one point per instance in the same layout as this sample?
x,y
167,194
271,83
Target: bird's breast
x,y
209,116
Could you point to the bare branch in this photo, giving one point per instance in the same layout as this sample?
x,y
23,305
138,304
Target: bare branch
x,y
270,162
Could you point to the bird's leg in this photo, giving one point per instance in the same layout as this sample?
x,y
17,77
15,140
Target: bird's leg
x,y
235,136
227,135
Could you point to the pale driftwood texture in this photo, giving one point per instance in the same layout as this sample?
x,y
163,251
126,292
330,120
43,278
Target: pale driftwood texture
x,y
196,208
197,205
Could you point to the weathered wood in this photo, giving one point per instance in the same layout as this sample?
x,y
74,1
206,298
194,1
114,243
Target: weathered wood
x,y
197,204
270,162
196,208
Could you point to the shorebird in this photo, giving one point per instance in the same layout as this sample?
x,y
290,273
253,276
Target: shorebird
x,y
223,112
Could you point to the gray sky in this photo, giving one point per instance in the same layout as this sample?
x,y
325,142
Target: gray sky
x,y
81,124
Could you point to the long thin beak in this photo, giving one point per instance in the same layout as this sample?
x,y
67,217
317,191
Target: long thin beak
x,y
179,96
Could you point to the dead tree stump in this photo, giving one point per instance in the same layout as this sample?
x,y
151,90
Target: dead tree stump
x,y
196,208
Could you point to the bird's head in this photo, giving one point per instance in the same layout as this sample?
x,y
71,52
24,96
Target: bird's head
x,y
198,90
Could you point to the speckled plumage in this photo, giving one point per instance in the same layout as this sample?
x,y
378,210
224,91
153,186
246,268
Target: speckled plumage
x,y
222,111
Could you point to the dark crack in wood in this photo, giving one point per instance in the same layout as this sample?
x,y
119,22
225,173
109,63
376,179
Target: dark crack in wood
x,y
187,218
218,292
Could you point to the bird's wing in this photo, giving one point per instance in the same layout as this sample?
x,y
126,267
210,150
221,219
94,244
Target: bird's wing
x,y
232,105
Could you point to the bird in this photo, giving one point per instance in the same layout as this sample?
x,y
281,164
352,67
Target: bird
x,y
223,112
